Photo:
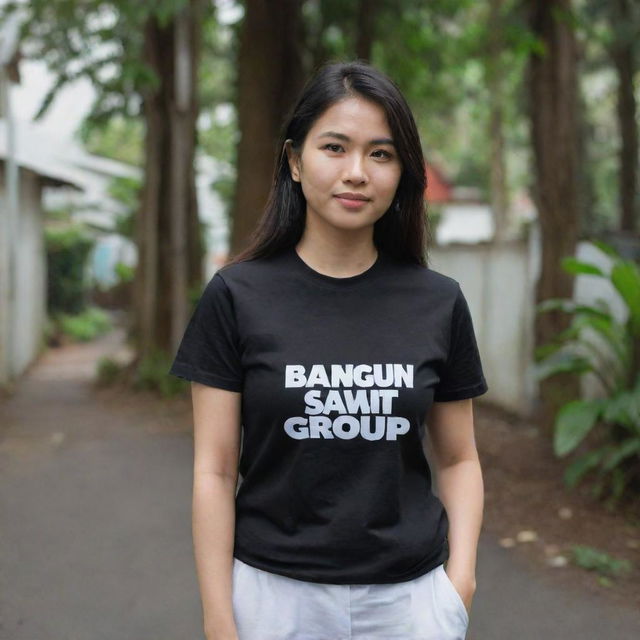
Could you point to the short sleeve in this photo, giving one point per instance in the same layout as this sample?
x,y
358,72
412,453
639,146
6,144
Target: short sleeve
x,y
208,352
461,375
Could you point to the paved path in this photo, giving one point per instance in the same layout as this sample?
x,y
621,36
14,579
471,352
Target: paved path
x,y
95,533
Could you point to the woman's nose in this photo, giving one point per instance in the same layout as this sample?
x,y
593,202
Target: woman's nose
x,y
355,171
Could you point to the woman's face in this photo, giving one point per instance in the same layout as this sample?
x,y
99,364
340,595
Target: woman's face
x,y
348,150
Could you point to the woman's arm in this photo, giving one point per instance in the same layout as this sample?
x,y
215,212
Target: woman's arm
x,y
217,429
460,487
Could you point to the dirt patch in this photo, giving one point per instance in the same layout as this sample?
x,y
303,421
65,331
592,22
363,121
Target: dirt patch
x,y
524,492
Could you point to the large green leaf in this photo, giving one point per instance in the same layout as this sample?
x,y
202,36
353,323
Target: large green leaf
x,y
628,448
561,362
625,277
624,408
573,423
575,266
574,472
571,306
610,330
605,248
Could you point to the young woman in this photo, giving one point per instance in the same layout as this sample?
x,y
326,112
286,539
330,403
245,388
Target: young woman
x,y
317,357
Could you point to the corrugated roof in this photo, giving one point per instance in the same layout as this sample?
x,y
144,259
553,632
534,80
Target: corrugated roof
x,y
34,150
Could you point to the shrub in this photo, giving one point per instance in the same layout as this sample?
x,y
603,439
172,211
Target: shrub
x,y
152,374
67,252
84,326
597,342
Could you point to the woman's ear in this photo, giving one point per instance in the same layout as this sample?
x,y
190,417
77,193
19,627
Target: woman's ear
x,y
293,159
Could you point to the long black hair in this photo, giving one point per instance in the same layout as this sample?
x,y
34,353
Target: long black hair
x,y
403,230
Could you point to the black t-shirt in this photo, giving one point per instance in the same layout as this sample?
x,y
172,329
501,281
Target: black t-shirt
x,y
336,375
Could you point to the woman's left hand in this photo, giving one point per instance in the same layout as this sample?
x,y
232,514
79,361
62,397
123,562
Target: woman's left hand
x,y
465,585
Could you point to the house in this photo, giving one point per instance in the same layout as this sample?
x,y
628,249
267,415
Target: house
x,y
23,268
462,215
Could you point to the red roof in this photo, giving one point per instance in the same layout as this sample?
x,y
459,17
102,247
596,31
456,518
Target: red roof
x,y
438,187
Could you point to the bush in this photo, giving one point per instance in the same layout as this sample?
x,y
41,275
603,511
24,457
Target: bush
x,y
597,342
84,326
593,559
108,371
152,374
67,251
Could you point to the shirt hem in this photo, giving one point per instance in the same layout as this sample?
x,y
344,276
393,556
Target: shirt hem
x,y
434,561
461,394
181,370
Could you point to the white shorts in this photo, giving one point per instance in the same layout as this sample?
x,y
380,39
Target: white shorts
x,y
269,606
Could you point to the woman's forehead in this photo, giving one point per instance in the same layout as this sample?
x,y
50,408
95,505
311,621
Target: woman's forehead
x,y
355,118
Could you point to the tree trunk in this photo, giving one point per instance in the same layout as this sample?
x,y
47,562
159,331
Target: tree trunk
x,y
269,79
624,61
494,75
167,229
365,28
553,86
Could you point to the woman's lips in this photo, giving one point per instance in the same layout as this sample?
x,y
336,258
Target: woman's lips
x,y
350,203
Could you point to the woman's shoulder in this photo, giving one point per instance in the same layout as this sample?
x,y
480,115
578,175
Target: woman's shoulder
x,y
250,269
424,275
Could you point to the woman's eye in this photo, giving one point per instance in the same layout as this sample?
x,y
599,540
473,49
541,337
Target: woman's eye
x,y
336,148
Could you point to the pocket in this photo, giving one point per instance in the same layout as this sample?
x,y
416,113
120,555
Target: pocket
x,y
454,594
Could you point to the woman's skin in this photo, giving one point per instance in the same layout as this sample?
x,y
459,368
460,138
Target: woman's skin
x,y
338,242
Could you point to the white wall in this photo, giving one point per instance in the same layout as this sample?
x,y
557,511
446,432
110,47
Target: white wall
x,y
499,284
26,312
496,282
31,276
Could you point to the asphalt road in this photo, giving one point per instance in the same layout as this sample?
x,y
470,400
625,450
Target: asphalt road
x,y
95,533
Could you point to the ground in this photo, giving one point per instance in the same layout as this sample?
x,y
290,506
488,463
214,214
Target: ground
x,y
97,483
524,491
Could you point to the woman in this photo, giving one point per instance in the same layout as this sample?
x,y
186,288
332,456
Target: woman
x,y
328,345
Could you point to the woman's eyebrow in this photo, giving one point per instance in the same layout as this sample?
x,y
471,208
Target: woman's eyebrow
x,y
342,136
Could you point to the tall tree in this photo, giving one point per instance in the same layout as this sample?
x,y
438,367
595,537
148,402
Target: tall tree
x,y
554,137
142,61
612,35
625,49
167,231
365,27
270,75
494,72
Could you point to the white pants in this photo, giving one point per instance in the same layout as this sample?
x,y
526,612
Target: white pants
x,y
268,606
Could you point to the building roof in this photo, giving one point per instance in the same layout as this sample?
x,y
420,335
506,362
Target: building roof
x,y
35,151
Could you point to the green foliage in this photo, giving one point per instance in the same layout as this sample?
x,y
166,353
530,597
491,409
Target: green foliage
x,y
596,342
67,251
126,191
124,272
84,326
152,374
97,40
120,138
224,186
107,371
603,563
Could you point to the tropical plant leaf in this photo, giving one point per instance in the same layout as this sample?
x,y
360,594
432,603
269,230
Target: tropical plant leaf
x,y
624,408
575,266
628,448
625,277
553,304
577,469
605,248
561,362
571,306
573,422
546,350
